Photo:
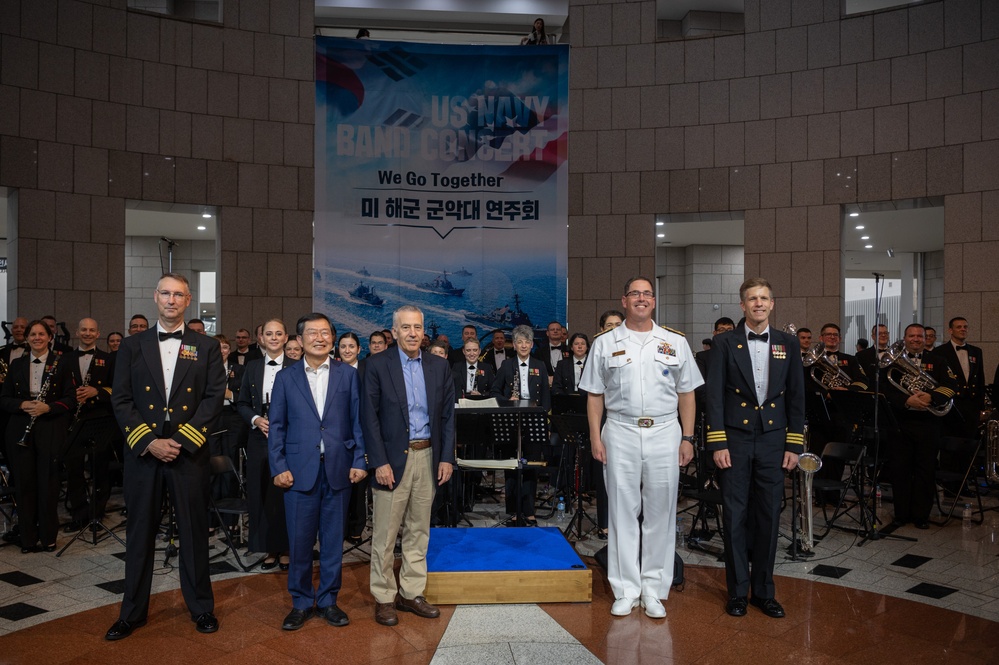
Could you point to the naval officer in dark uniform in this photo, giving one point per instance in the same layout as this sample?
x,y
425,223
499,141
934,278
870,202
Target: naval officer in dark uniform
x,y
755,428
169,385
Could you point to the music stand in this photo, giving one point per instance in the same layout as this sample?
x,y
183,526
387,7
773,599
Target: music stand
x,y
515,427
574,430
90,434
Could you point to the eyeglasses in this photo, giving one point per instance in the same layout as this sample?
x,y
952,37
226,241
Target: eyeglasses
x,y
312,334
637,294
166,295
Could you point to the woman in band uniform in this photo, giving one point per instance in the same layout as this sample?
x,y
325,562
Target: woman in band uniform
x,y
35,453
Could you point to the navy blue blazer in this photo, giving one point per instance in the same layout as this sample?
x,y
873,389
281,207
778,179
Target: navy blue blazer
x,y
296,428
196,396
732,408
385,411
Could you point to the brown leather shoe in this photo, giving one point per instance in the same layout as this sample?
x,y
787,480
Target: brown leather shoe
x,y
418,606
385,614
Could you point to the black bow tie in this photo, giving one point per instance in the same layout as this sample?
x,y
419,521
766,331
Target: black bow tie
x,y
176,334
471,368
963,347
556,348
579,362
914,355
37,361
86,353
762,336
23,345
272,362
523,364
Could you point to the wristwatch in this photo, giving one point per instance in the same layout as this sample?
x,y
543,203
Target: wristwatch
x,y
688,438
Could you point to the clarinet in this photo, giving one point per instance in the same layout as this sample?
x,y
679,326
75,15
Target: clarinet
x,y
265,407
40,398
79,405
515,391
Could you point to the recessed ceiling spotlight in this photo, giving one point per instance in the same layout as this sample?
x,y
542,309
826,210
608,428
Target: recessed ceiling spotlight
x,y
865,237
206,215
202,228
660,223
660,235
854,214
860,227
868,246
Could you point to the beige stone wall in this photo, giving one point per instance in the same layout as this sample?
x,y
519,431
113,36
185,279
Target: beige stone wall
x,y
905,102
99,104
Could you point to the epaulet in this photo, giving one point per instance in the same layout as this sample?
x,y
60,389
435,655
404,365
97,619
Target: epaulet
x,y
674,331
602,332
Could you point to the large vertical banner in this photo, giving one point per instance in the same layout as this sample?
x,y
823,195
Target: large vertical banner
x,y
441,181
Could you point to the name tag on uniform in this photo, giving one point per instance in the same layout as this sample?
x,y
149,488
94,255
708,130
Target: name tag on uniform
x,y
618,353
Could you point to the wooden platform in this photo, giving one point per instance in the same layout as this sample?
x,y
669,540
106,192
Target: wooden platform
x,y
487,566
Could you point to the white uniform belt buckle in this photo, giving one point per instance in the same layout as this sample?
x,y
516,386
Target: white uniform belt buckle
x,y
645,422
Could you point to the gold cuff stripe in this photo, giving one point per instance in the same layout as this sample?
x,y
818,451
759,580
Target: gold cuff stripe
x,y
194,435
137,434
717,436
946,392
108,388
793,437
795,443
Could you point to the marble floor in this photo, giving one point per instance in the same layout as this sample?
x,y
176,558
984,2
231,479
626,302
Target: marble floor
x,y
934,599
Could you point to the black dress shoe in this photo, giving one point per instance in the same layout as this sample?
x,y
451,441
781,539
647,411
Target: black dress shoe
x,y
334,615
921,524
269,565
122,629
48,548
284,565
206,623
736,606
769,606
296,619
73,527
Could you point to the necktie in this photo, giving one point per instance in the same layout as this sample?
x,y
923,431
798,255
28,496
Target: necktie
x,y
86,353
176,334
762,337
272,362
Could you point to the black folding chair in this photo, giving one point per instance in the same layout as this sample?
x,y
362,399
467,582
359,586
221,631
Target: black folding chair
x,y
237,506
851,456
962,454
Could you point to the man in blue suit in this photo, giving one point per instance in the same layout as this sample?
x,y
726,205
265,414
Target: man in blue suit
x,y
408,418
316,450
755,430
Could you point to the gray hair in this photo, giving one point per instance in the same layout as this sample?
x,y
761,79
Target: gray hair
x,y
523,332
404,309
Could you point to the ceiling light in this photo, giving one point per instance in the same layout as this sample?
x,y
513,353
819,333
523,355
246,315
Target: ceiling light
x,y
868,246
865,237
660,235
860,227
660,223
854,214
202,228
206,215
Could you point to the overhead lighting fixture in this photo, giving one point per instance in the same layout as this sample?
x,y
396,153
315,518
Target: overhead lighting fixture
x,y
891,252
859,227
660,235
854,214
202,228
868,246
865,237
206,215
660,223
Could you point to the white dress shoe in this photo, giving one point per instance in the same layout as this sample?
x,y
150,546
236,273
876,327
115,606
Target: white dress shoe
x,y
653,607
622,607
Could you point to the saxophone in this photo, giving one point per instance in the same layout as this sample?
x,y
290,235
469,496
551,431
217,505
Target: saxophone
x,y
46,385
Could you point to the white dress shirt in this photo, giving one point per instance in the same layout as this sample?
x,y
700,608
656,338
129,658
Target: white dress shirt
x,y
319,380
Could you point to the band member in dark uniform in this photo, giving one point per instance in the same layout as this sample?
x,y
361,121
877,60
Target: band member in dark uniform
x,y
914,449
755,428
966,361
472,378
38,392
92,371
268,524
169,385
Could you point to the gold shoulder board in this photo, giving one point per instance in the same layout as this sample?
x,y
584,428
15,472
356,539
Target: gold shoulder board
x,y
673,331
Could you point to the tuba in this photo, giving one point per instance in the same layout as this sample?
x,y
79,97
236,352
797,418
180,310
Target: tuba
x,y
908,377
824,371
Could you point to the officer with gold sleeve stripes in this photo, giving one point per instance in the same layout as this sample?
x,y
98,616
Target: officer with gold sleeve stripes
x,y
755,428
169,385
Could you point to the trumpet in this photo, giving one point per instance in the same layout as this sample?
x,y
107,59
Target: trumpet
x,y
46,385
824,371
908,377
